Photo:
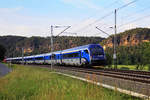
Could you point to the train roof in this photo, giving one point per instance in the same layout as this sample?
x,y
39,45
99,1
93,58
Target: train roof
x,y
79,48
26,57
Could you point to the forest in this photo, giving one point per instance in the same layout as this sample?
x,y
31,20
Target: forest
x,y
38,45
138,55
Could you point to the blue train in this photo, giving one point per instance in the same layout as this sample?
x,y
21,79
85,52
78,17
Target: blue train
x,y
92,54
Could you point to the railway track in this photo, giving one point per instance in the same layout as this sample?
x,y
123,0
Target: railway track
x,y
131,71
137,76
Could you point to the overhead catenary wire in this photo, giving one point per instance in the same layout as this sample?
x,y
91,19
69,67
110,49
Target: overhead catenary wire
x,y
96,13
132,15
126,5
108,14
138,19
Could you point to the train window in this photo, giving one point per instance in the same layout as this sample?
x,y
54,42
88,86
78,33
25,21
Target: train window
x,y
86,51
39,58
49,57
30,59
96,51
75,55
71,55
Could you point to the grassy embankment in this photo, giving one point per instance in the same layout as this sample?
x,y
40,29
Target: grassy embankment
x,y
33,83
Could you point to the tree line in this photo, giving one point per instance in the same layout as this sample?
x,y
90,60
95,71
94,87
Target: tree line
x,y
138,55
39,45
2,52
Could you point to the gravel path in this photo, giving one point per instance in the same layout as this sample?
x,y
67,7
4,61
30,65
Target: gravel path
x,y
4,70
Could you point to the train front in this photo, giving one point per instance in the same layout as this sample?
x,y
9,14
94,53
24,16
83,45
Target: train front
x,y
97,55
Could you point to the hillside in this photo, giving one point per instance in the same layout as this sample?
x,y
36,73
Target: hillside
x,y
130,37
133,48
37,45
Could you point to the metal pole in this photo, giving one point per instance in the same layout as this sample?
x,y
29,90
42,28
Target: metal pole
x,y
51,46
22,55
115,29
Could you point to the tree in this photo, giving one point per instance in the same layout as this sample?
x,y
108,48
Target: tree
x,y
143,55
2,52
109,59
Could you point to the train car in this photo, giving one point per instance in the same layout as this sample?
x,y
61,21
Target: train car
x,y
8,60
39,59
92,54
18,60
56,58
4,61
29,60
14,60
47,58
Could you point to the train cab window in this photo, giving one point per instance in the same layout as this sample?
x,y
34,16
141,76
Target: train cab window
x,y
96,50
86,51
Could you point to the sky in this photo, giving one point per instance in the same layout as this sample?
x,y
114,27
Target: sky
x,y
35,17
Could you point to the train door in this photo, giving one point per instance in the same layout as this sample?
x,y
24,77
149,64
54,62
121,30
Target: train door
x,y
60,58
85,57
80,57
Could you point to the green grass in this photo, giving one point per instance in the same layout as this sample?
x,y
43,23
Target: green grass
x,y
34,83
130,67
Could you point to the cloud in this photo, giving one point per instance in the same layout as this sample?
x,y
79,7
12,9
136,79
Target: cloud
x,y
17,21
82,4
127,1
10,10
12,22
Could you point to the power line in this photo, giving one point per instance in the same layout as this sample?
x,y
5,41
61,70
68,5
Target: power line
x,y
99,10
129,15
126,5
108,14
132,15
96,13
138,19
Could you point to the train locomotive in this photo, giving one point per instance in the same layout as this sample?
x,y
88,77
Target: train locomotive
x,y
91,54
